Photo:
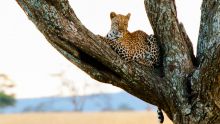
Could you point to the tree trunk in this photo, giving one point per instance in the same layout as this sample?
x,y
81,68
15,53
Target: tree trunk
x,y
187,88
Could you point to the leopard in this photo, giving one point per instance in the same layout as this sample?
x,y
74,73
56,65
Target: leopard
x,y
132,46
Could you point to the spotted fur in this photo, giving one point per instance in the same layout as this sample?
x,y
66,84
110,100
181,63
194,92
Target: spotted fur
x,y
136,46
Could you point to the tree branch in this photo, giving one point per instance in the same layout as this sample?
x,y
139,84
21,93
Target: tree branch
x,y
209,33
59,24
177,58
205,80
187,92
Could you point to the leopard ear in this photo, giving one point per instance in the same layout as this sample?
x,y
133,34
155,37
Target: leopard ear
x,y
112,15
128,15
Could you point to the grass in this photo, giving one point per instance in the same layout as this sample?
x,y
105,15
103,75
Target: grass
x,y
83,118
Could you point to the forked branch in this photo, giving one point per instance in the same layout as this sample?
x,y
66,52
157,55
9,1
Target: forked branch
x,y
59,24
181,79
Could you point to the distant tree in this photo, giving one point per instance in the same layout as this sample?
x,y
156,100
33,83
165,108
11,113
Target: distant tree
x,y
6,100
124,107
69,85
5,84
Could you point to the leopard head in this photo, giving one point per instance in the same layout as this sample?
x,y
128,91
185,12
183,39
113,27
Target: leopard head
x,y
119,22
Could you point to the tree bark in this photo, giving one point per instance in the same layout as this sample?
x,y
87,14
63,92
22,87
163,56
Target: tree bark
x,y
187,88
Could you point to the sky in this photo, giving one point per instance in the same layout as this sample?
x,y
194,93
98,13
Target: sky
x,y
31,62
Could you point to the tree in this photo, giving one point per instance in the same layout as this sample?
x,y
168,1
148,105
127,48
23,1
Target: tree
x,y
124,107
188,87
6,99
77,94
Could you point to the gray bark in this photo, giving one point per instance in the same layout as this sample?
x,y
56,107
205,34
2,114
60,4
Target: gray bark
x,y
187,88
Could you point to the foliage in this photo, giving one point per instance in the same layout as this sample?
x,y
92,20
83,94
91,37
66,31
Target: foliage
x,y
6,100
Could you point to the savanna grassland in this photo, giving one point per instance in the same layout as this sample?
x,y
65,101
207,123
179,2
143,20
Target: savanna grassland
x,y
83,118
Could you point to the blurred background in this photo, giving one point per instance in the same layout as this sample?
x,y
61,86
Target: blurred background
x,y
36,81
